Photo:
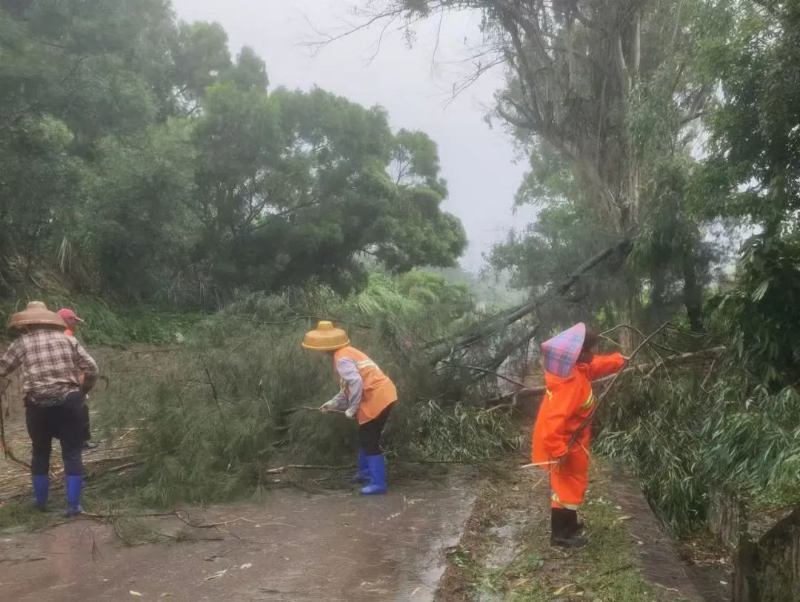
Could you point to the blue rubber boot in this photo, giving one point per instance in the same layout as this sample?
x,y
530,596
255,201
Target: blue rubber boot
x,y
377,472
363,468
74,488
41,491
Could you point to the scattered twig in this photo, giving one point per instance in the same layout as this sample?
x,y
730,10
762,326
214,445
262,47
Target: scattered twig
x,y
284,469
124,466
487,371
467,461
211,384
313,409
117,516
710,372
619,569
187,521
548,463
637,331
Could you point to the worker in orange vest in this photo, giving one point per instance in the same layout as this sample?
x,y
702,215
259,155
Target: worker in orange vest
x,y
72,320
569,367
366,394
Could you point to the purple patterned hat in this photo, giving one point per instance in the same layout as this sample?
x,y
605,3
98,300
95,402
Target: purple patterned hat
x,y
561,352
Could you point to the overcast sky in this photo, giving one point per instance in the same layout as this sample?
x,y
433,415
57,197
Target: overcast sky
x,y
479,163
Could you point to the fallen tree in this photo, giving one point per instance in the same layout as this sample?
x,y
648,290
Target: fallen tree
x,y
445,348
647,369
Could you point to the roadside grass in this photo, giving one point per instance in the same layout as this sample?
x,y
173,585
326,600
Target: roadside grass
x,y
608,569
108,325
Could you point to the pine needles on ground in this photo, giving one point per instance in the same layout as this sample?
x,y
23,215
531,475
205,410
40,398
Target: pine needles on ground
x,y
234,397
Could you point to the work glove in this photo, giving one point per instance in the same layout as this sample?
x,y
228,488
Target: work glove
x,y
351,412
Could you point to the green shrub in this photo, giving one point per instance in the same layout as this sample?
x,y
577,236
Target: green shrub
x,y
232,399
684,442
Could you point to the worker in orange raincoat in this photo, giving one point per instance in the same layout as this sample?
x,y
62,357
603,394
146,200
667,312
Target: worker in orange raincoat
x,y
569,368
366,394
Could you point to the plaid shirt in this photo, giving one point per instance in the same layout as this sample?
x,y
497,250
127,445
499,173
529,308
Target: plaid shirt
x,y
51,363
561,352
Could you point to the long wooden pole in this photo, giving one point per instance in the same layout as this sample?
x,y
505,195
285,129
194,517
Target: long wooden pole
x,y
2,419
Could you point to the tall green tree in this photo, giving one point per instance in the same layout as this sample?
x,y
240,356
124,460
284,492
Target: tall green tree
x,y
752,177
139,222
609,90
139,149
295,184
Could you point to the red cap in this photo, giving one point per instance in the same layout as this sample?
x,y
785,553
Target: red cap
x,y
68,314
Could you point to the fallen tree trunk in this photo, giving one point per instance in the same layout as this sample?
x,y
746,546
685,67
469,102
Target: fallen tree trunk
x,y
512,347
506,319
671,360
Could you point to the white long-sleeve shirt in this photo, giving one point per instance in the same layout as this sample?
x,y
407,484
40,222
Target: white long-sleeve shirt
x,y
349,397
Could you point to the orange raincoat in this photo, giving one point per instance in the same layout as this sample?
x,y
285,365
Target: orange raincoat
x,y
566,404
379,392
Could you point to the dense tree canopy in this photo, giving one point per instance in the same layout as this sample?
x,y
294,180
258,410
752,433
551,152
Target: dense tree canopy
x,y
605,98
752,177
155,164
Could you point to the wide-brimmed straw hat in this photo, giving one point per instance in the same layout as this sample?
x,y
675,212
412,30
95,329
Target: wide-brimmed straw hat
x,y
561,352
326,338
36,314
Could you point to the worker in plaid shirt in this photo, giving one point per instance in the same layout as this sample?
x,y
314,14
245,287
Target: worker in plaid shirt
x,y
51,364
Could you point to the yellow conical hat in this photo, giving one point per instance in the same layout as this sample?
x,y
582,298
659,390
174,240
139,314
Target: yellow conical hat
x,y
326,338
36,314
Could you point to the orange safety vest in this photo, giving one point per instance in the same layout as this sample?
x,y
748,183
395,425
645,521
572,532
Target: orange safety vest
x,y
379,391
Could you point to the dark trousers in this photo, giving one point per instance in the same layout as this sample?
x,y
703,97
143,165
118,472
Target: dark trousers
x,y
87,427
369,433
64,422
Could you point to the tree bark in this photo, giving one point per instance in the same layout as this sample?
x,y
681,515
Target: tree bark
x,y
692,294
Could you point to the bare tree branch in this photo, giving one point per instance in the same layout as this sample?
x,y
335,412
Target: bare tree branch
x,y
502,321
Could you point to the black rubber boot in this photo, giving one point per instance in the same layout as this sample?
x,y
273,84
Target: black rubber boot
x,y
580,527
564,529
574,526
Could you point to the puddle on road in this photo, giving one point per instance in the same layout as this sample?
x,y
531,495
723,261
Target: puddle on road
x,y
292,547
